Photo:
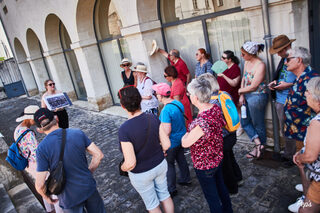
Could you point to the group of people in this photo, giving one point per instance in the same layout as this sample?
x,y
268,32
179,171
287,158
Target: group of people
x,y
152,140
210,144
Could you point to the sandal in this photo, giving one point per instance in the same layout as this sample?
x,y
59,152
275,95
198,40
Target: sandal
x,y
257,152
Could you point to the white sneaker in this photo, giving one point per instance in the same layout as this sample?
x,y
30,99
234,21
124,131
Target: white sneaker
x,y
239,131
299,187
295,207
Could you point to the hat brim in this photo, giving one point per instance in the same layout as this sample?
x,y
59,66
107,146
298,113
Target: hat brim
x,y
274,51
138,70
155,47
24,117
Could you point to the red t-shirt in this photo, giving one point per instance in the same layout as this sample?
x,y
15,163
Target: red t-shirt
x,y
232,73
207,151
181,68
179,89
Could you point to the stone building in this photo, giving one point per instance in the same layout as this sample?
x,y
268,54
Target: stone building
x,y
80,43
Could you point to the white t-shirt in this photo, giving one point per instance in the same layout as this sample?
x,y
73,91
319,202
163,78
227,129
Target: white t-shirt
x,y
145,89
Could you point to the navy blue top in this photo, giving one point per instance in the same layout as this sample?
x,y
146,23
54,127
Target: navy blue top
x,y
80,184
135,131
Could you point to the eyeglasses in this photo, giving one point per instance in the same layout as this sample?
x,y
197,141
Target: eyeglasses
x,y
119,93
126,65
224,58
289,59
51,84
243,54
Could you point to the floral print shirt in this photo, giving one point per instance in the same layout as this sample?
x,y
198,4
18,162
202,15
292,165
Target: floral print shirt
x,y
207,152
297,113
28,144
248,78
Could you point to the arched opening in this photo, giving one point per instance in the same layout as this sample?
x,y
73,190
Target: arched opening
x,y
58,40
112,45
25,69
36,55
214,25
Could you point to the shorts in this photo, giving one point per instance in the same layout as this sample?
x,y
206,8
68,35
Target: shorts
x,y
152,185
313,193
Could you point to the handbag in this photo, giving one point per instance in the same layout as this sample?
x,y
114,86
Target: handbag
x,y
57,179
14,156
123,173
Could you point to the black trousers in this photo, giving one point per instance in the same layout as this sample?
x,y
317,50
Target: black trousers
x,y
230,168
63,118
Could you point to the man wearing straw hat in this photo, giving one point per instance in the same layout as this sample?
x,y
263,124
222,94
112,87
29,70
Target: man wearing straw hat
x,y
282,81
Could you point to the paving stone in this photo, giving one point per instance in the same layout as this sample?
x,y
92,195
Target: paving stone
x,y
264,189
6,206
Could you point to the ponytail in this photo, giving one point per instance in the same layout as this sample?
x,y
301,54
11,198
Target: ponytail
x,y
230,55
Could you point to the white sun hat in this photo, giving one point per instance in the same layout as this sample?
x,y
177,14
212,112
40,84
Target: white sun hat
x,y
28,113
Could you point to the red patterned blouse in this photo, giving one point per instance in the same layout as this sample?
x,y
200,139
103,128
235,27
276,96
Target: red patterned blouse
x,y
207,152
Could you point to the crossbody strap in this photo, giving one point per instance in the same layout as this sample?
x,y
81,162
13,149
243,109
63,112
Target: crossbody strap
x,y
23,134
180,110
62,144
146,137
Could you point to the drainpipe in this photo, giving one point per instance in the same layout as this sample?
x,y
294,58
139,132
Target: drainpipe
x,y
270,66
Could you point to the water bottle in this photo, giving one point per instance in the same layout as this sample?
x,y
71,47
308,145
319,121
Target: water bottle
x,y
243,111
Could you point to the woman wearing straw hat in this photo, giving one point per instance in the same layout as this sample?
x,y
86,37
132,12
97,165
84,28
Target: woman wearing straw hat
x,y
149,103
28,145
127,74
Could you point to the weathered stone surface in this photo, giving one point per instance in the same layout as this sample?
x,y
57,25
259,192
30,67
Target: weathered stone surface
x,y
6,205
264,189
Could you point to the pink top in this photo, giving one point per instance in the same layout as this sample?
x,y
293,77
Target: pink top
x,y
207,152
28,144
179,89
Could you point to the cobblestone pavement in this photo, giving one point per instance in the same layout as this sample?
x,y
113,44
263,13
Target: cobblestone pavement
x,y
264,189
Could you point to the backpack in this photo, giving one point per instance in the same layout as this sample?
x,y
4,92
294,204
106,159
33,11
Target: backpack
x,y
229,110
14,156
153,82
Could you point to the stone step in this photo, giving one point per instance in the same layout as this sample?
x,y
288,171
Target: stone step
x,y
6,206
23,200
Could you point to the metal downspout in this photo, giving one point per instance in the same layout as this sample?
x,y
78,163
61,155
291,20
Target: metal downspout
x,y
270,66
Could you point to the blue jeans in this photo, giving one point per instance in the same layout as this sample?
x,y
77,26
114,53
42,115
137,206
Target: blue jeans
x,y
93,204
177,154
254,123
214,190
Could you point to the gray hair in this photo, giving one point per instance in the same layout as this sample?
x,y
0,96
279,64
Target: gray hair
x,y
212,80
301,52
48,125
313,87
201,89
175,53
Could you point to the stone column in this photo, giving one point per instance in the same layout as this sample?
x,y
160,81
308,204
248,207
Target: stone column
x,y
39,71
60,72
28,78
99,96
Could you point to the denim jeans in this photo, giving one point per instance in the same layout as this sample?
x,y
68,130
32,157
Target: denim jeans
x,y
254,123
177,154
214,190
93,204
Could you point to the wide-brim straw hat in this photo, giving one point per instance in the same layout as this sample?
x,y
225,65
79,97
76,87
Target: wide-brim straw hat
x,y
28,113
279,43
125,61
141,68
154,47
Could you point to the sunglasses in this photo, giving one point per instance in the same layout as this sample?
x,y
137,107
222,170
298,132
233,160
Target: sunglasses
x,y
119,93
289,59
197,54
126,65
51,84
165,76
223,57
243,54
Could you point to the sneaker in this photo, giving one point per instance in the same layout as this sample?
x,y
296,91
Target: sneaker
x,y
240,131
295,207
299,187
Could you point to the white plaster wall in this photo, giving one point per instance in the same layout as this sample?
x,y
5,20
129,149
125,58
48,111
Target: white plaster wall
x,y
27,76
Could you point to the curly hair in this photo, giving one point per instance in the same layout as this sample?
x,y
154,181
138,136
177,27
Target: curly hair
x,y
130,98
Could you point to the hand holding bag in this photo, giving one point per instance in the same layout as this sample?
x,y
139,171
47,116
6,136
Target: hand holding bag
x,y
56,180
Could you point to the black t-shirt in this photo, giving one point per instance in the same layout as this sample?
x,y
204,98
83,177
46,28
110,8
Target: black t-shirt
x,y
135,131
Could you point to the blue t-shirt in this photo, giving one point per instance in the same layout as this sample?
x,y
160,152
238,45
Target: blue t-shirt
x,y
171,114
148,154
288,77
80,184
